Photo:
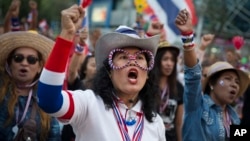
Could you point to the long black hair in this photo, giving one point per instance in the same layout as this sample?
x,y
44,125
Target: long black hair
x,y
156,72
103,87
84,66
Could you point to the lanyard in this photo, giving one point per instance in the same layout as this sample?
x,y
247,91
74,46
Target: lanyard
x,y
123,127
25,110
164,102
226,123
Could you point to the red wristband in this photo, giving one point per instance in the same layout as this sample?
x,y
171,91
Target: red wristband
x,y
187,33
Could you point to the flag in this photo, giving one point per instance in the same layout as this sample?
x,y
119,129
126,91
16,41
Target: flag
x,y
166,11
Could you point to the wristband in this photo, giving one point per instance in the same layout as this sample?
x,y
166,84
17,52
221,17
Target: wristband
x,y
188,44
187,33
15,24
79,49
187,39
189,48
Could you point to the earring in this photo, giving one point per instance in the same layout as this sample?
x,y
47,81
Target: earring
x,y
211,87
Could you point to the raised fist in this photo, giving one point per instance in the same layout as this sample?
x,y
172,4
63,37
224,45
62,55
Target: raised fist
x,y
183,22
71,19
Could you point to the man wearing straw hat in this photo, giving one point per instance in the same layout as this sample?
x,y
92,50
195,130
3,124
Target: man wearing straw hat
x,y
23,54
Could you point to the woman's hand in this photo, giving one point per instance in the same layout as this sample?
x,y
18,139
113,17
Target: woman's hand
x,y
183,22
14,8
206,40
71,21
83,35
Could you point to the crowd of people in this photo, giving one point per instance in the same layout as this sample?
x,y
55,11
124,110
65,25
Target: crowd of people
x,y
129,84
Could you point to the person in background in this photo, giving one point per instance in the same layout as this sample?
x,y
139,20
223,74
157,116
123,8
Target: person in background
x,y
32,18
80,51
205,66
11,20
88,71
23,55
171,90
94,35
207,116
123,96
232,57
206,40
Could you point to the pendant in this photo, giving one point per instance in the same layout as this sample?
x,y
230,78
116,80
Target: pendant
x,y
15,130
131,120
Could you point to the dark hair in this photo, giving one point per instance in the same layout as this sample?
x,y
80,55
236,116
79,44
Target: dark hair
x,y
104,88
213,79
84,66
156,72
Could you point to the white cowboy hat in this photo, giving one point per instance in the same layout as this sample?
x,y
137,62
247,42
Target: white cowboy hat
x,y
123,37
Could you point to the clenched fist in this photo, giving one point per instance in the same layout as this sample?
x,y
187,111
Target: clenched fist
x,y
183,22
71,21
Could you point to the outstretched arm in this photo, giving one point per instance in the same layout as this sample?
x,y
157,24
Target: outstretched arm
x,y
184,24
11,20
192,76
34,15
206,40
50,94
78,57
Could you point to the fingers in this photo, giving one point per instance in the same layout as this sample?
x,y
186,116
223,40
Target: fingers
x,y
83,33
157,25
208,37
71,21
81,12
182,17
72,13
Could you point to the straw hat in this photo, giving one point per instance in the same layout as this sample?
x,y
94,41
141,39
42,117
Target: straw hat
x,y
220,66
165,45
12,40
122,37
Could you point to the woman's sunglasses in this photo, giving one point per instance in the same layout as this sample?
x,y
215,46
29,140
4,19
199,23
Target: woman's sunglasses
x,y
30,59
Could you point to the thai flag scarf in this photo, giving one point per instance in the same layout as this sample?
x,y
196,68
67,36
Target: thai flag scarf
x,y
123,127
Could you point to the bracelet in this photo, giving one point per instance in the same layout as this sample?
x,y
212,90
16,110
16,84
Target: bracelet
x,y
189,48
15,24
79,49
187,39
188,44
187,33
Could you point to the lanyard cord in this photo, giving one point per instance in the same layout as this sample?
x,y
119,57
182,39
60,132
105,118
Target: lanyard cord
x,y
164,102
25,110
227,123
123,127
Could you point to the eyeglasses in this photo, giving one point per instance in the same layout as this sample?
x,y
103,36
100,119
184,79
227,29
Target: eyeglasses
x,y
18,58
144,59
